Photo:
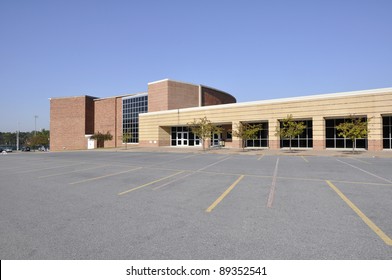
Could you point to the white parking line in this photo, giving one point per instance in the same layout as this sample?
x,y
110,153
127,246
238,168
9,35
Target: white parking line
x,y
273,185
367,172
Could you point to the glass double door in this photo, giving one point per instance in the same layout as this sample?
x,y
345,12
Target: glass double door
x,y
182,138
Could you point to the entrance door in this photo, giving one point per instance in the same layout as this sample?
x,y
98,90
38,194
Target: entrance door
x,y
182,138
215,140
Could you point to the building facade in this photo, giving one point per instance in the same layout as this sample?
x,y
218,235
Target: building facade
x,y
160,117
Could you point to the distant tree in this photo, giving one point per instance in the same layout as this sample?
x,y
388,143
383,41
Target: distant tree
x,y
353,128
203,128
125,138
290,128
9,138
101,138
246,131
41,138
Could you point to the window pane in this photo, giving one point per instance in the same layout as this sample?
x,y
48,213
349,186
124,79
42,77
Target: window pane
x,y
386,144
339,143
330,143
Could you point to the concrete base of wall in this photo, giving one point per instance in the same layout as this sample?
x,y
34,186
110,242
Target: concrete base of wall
x,y
375,145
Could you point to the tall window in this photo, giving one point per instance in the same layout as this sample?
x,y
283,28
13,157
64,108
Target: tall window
x,y
305,140
387,132
132,107
333,140
262,136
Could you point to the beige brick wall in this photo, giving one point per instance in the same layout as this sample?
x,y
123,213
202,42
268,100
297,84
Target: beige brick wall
x,y
317,108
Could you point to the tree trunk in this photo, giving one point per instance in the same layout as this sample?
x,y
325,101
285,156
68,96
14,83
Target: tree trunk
x,y
354,141
290,143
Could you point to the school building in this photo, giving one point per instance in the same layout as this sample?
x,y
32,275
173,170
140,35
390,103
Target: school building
x,y
160,117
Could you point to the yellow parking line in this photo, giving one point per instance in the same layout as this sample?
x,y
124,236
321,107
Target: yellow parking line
x,y
74,171
364,218
153,182
49,168
224,194
304,158
105,176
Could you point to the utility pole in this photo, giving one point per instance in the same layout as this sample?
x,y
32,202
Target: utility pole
x,y
35,125
17,138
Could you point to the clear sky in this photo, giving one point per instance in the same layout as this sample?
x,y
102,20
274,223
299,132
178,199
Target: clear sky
x,y
252,49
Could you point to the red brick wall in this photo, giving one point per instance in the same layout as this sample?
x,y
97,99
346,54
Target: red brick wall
x,y
158,96
215,97
167,95
119,120
182,95
375,145
70,119
105,118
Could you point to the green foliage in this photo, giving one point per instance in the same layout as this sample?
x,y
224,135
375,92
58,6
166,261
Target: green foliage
x,y
40,138
246,131
126,137
290,128
25,138
353,128
203,128
101,138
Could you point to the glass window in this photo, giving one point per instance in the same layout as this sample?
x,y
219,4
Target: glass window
x,y
305,140
132,106
262,136
387,132
333,140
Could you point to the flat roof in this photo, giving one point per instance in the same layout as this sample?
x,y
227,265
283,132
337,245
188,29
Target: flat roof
x,y
122,95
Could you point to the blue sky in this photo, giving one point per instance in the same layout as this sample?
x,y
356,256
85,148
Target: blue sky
x,y
252,49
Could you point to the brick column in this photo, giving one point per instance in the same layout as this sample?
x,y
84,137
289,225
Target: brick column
x,y
272,138
375,133
236,142
318,133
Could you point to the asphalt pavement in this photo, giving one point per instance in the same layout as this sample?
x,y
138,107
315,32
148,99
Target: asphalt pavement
x,y
157,204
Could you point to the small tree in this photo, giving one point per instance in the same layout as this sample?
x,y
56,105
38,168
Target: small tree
x,y
290,128
101,138
40,138
203,128
125,138
246,131
353,128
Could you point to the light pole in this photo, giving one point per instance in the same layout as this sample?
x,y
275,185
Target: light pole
x,y
17,138
35,125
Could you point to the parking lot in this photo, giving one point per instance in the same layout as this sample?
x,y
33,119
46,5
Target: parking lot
x,y
159,205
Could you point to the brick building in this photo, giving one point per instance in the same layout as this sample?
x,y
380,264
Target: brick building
x,y
159,117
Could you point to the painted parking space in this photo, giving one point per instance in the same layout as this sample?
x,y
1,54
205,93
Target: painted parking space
x,y
233,205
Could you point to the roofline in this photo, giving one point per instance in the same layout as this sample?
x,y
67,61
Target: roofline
x,y
64,97
121,96
220,91
170,80
277,100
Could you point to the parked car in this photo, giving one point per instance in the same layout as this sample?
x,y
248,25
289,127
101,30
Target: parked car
x,y
25,149
8,149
